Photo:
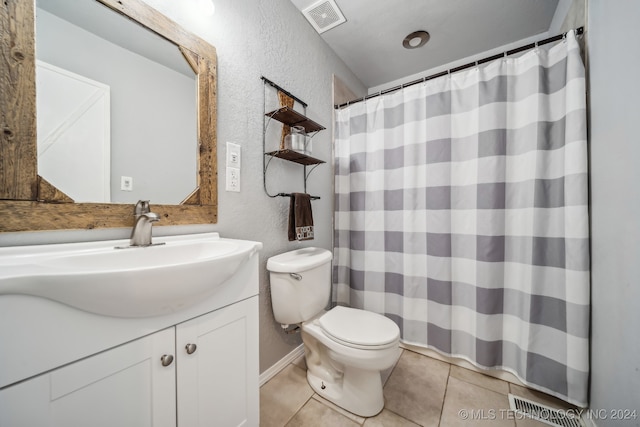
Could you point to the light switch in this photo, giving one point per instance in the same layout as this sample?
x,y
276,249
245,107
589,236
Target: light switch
x,y
233,155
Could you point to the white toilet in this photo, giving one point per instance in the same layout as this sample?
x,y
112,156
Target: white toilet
x,y
345,348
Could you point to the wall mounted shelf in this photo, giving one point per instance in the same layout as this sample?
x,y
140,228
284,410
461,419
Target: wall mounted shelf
x,y
289,117
294,156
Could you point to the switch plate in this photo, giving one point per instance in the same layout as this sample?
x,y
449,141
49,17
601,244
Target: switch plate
x,y
233,179
126,183
233,155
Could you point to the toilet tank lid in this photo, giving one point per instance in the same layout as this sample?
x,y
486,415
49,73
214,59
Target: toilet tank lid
x,y
298,260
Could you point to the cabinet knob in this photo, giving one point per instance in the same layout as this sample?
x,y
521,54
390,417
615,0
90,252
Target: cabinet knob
x,y
191,348
166,359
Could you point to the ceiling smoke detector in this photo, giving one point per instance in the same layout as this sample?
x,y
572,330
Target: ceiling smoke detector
x,y
324,15
416,39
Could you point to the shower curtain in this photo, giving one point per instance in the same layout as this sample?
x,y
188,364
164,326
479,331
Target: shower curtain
x,y
461,214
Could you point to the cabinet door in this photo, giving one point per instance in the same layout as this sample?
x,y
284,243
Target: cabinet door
x,y
124,386
218,381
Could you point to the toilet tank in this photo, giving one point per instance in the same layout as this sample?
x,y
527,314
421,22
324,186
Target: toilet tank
x,y
300,284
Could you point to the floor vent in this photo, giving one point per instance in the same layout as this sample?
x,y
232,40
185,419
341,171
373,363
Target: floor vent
x,y
544,414
324,15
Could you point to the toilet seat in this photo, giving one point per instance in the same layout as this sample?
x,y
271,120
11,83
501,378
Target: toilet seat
x,y
359,328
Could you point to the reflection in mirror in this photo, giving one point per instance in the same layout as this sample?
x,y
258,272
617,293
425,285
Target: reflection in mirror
x,y
116,107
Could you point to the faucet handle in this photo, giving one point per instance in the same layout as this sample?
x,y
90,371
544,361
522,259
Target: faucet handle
x,y
142,207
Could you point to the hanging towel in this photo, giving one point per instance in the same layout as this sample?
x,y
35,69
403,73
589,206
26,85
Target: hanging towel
x,y
300,217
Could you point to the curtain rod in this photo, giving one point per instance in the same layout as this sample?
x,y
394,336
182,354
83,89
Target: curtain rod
x,y
578,31
289,94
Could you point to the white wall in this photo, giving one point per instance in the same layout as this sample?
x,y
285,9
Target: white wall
x,y
268,38
615,206
255,38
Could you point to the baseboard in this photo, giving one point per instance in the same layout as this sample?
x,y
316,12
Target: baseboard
x,y
281,364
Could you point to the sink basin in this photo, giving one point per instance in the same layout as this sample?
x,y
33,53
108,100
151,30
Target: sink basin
x,y
133,282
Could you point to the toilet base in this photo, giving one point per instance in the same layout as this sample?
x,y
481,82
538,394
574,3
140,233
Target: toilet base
x,y
358,391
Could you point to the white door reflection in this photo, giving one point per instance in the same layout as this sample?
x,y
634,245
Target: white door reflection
x,y
74,133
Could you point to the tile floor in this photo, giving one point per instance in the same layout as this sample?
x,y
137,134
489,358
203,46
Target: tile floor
x,y
419,391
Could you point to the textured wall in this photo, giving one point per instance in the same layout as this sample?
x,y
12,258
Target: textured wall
x,y
255,38
615,210
267,38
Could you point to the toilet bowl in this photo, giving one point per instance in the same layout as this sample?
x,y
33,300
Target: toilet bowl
x,y
348,372
345,348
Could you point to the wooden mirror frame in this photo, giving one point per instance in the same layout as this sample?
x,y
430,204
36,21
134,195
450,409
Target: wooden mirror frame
x,y
30,203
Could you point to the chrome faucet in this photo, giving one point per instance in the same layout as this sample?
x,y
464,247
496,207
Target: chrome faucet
x,y
142,207
141,233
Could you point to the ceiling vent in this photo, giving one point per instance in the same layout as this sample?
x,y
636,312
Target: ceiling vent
x,y
324,15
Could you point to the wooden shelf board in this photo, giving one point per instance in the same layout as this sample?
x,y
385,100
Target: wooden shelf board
x,y
294,156
290,117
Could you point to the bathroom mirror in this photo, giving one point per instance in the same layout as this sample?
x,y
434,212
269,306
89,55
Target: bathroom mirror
x,y
28,201
115,107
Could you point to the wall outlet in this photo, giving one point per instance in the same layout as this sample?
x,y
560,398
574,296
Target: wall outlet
x,y
233,155
126,183
233,179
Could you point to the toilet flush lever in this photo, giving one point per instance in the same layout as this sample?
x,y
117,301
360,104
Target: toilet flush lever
x,y
295,276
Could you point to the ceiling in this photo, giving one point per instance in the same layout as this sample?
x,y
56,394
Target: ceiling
x,y
370,42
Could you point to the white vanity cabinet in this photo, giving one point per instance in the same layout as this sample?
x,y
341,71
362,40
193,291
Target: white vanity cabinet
x,y
208,365
124,386
198,366
218,381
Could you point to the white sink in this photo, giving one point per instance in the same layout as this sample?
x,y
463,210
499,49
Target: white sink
x,y
133,282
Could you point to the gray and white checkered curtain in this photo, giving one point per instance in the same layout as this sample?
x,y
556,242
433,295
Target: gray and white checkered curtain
x,y
461,214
